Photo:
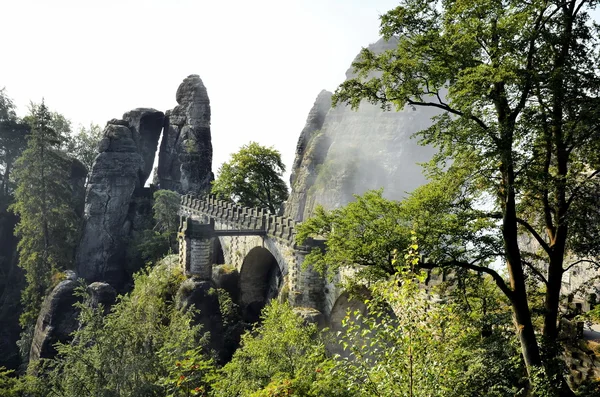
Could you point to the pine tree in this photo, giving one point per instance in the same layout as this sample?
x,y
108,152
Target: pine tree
x,y
47,226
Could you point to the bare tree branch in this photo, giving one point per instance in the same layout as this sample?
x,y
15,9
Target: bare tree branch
x,y
539,274
581,261
469,266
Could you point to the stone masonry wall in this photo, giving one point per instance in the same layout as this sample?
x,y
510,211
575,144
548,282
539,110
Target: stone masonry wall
x,y
305,288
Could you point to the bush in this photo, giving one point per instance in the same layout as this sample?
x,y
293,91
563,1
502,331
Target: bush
x,y
135,350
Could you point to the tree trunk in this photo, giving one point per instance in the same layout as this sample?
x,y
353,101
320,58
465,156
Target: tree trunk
x,y
5,179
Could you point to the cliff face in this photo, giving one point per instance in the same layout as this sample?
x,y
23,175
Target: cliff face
x,y
117,206
342,152
120,169
12,281
310,153
185,158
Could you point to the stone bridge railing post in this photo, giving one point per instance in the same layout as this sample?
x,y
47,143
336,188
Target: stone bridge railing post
x,y
197,251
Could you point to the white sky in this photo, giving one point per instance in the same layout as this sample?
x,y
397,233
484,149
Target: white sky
x,y
263,61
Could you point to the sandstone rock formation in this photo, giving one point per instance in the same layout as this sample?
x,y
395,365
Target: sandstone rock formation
x,y
56,321
185,158
122,166
12,280
202,296
77,180
102,294
310,153
146,126
118,206
227,277
354,151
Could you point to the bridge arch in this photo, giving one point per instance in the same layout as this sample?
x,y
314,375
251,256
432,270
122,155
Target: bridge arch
x,y
347,302
261,278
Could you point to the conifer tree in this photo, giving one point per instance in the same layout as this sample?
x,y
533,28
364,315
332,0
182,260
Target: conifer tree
x,y
47,226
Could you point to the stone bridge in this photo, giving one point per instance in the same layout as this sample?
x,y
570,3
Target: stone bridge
x,y
262,248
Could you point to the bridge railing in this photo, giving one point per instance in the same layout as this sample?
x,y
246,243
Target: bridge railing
x,y
241,217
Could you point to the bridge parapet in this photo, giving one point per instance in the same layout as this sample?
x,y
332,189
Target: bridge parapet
x,y
281,227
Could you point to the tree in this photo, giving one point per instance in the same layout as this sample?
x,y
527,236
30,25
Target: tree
x,y
364,233
252,178
145,346
48,224
283,356
12,143
157,242
165,208
406,346
84,145
517,84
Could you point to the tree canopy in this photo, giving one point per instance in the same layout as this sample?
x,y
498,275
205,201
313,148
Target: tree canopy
x,y
161,239
518,85
84,145
253,178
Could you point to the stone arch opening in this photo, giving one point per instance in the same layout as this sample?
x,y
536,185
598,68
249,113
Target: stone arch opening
x,y
260,281
218,250
347,302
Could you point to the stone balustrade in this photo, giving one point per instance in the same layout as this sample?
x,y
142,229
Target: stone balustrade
x,y
240,217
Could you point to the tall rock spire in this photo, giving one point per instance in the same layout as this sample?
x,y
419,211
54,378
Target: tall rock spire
x,y
121,168
185,158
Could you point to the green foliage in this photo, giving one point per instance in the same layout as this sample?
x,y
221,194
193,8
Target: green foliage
x,y
141,348
233,324
84,145
190,377
517,86
281,357
369,234
252,178
48,224
590,389
162,238
166,205
8,383
23,386
408,346
365,233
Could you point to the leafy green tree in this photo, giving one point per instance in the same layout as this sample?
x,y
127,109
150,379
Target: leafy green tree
x,y
407,346
364,233
446,342
252,178
282,357
13,132
84,145
48,224
57,122
166,207
145,346
162,238
517,83
22,386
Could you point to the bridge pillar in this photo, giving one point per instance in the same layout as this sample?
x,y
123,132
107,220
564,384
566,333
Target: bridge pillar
x,y
197,251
